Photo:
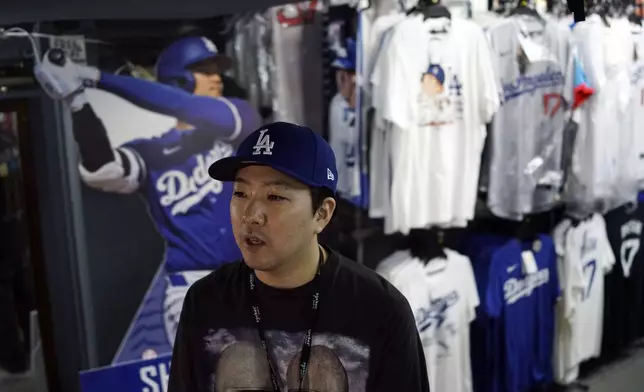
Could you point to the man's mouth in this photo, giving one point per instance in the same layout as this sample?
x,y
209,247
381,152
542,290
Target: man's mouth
x,y
254,241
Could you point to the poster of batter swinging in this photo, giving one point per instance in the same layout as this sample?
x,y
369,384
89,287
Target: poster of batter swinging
x,y
167,168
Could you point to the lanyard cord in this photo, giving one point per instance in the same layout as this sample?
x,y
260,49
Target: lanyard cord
x,y
308,339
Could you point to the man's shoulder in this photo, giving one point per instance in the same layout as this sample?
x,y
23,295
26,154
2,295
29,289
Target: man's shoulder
x,y
371,284
224,278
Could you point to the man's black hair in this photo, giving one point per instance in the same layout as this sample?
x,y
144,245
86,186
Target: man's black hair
x,y
318,194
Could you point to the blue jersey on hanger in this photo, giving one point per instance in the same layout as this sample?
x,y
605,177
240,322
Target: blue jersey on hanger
x,y
513,335
523,306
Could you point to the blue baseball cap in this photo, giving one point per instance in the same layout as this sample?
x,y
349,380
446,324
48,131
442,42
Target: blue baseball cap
x,y
346,57
291,149
437,71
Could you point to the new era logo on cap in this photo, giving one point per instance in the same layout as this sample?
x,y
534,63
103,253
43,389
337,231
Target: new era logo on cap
x,y
329,175
292,149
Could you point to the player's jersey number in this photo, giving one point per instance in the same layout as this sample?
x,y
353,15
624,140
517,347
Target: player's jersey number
x,y
590,268
628,251
551,104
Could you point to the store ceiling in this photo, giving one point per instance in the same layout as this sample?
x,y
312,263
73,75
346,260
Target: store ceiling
x,y
28,11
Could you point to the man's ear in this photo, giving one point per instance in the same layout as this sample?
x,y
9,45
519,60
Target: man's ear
x,y
324,214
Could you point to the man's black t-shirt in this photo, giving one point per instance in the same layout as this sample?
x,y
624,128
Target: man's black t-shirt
x,y
365,337
623,285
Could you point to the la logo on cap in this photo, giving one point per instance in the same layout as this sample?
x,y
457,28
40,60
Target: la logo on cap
x,y
264,145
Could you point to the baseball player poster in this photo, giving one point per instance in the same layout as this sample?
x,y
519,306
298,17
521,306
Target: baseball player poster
x,y
156,137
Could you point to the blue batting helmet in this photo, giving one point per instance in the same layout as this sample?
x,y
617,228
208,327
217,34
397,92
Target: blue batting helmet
x,y
172,65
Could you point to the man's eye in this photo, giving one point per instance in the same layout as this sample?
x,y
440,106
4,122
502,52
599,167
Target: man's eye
x,y
276,198
238,194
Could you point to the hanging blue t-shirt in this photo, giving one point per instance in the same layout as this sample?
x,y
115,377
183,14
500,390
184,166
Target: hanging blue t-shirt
x,y
524,307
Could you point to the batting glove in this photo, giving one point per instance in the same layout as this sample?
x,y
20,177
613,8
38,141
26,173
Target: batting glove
x,y
63,80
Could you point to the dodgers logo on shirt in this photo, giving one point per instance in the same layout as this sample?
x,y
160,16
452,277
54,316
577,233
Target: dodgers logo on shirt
x,y
183,191
433,323
514,289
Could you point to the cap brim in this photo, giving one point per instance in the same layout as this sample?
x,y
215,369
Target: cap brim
x,y
343,64
226,170
224,63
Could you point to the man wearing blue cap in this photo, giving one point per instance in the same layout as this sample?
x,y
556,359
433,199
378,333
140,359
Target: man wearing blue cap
x,y
294,315
343,133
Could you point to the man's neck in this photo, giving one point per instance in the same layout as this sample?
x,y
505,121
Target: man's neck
x,y
296,272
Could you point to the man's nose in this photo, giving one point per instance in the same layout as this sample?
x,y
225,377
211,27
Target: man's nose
x,y
254,213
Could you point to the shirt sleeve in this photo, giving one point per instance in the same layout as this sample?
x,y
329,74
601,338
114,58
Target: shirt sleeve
x,y
471,290
183,376
401,366
494,291
608,257
390,83
489,83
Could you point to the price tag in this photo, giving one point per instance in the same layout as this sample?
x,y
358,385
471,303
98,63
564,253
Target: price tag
x,y
73,45
528,262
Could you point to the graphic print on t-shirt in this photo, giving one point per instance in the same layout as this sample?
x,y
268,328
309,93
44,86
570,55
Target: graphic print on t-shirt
x,y
439,97
630,233
433,323
337,364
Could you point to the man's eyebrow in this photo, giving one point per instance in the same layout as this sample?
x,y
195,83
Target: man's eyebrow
x,y
281,183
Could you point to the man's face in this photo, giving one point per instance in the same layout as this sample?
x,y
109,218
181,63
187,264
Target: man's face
x,y
431,85
208,81
208,85
272,217
346,83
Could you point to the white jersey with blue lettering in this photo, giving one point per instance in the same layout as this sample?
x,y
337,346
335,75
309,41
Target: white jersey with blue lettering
x,y
585,256
345,142
443,296
434,82
533,60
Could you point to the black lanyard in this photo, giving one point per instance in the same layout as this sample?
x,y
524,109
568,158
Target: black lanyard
x,y
308,339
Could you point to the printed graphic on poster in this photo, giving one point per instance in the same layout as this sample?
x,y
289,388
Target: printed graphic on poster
x,y
157,138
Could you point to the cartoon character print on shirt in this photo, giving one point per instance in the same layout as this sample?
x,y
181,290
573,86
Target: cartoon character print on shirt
x,y
439,100
337,363
434,325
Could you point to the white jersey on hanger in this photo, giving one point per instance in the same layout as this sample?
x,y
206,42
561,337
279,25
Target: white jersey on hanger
x,y
534,65
636,114
345,142
585,256
606,54
435,83
443,297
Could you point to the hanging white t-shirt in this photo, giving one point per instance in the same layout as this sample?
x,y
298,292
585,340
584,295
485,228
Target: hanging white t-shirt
x,y
634,166
587,257
534,64
345,142
435,83
606,54
443,297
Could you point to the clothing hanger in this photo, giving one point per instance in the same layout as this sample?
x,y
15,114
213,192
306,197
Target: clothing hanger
x,y
523,8
526,230
426,244
431,9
